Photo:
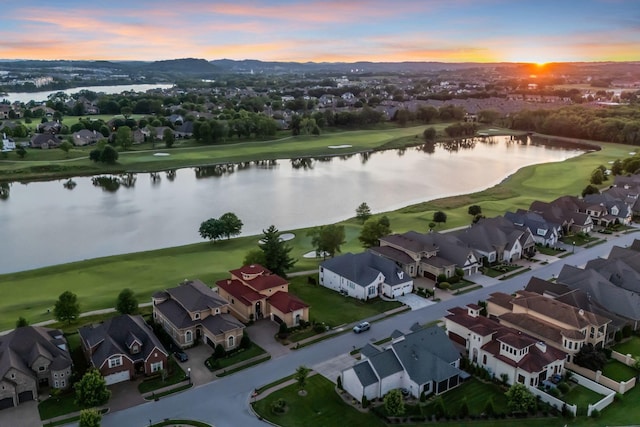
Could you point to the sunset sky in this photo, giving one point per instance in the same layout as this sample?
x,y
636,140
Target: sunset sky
x,y
324,30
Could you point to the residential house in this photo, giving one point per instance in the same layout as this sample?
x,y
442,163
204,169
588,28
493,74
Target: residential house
x,y
45,141
50,127
544,232
566,212
192,311
32,357
86,137
184,130
559,325
123,347
428,255
253,292
365,276
502,350
628,194
424,361
498,239
579,299
8,144
607,209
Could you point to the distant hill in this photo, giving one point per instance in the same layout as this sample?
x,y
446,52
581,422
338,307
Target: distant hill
x,y
181,66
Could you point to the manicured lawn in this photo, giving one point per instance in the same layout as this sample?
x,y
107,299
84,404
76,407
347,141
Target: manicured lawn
x,y
320,407
578,240
618,371
240,356
55,407
548,251
176,376
630,347
581,396
499,270
97,282
477,394
333,308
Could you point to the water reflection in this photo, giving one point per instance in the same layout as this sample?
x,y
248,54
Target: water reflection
x,y
128,180
302,163
107,183
5,190
171,174
69,184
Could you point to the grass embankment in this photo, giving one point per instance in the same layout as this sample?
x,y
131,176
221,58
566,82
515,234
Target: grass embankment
x,y
56,163
97,282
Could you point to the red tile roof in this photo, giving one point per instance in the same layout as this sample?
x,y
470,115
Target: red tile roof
x,y
258,277
240,291
285,302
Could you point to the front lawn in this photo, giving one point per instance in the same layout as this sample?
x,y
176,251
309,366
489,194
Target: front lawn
x,y
618,371
549,251
629,347
499,270
241,355
57,406
175,376
333,308
579,239
321,407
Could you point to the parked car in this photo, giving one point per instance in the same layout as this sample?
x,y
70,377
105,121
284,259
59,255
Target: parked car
x,y
181,356
361,327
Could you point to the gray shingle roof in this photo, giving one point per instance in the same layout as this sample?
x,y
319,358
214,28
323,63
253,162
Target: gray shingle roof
x,y
196,296
363,268
113,336
385,363
365,373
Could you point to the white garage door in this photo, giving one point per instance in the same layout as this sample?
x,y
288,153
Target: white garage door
x,y
117,377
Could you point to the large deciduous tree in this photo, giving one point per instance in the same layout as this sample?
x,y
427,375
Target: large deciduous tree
x,y
67,307
373,229
211,229
108,154
91,390
519,398
124,137
327,239
301,376
231,224
90,418
276,252
127,302
439,217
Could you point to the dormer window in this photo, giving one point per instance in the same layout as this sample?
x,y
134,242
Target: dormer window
x,y
196,316
135,348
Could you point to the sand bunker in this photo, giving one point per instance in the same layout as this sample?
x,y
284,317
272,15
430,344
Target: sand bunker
x,y
313,254
340,146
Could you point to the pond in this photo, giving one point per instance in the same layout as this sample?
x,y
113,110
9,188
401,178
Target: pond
x,y
53,222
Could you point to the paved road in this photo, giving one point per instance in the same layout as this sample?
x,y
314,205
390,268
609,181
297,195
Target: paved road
x,y
225,402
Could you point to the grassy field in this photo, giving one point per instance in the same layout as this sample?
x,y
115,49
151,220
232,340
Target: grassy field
x,y
97,282
320,407
618,371
43,163
582,397
477,395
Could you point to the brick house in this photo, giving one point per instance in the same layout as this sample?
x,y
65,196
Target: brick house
x,y
32,357
193,311
123,347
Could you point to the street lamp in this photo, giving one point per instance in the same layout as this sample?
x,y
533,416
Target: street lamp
x,y
434,292
573,250
189,375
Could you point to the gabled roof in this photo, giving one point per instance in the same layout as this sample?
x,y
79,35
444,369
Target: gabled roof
x,y
23,346
534,222
385,363
244,294
194,296
115,335
427,355
365,373
610,296
363,269
447,246
221,323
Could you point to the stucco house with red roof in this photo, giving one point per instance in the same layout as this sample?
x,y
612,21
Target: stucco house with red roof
x,y
254,292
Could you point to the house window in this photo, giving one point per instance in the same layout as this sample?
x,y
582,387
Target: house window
x,y
231,341
217,311
115,361
62,384
520,378
232,301
372,290
42,368
188,337
155,367
135,349
196,316
56,384
484,359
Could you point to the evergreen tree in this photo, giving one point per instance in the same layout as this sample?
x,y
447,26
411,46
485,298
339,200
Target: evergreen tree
x,y
276,252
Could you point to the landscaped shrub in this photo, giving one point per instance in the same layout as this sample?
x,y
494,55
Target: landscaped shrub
x,y
554,392
365,402
279,406
283,332
219,352
444,285
617,336
626,331
464,408
245,342
441,278
319,328
595,413
489,409
339,382
563,387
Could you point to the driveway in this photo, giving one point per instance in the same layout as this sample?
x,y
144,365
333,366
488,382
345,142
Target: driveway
x,y
332,368
415,302
200,374
482,280
24,415
262,333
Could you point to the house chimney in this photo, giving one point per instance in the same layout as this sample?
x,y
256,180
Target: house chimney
x,y
541,346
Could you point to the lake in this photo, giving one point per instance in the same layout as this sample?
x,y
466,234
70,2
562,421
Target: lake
x,y
43,96
44,223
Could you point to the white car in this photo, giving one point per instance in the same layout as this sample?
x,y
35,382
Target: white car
x,y
361,327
